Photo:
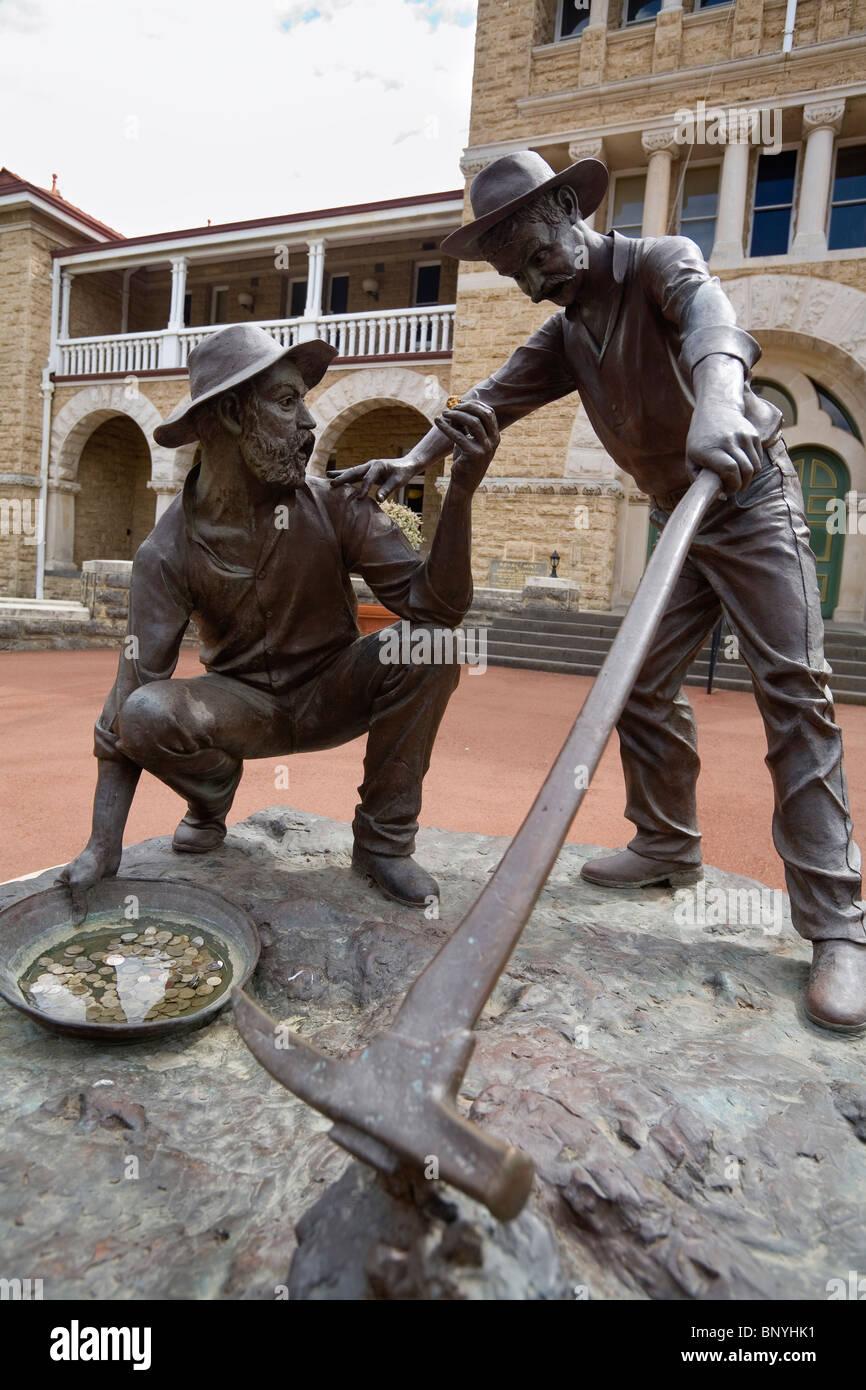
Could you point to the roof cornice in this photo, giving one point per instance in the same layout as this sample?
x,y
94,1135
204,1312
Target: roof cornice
x,y
248,234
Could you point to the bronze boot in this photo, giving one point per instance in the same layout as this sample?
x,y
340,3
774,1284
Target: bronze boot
x,y
627,869
397,876
197,835
836,993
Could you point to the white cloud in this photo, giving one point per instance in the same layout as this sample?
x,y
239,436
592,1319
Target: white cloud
x,y
21,15
211,109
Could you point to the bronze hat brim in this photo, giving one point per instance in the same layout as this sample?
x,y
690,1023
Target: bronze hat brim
x,y
588,178
312,360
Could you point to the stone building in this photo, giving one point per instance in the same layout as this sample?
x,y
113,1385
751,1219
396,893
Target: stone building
x,y
97,334
740,123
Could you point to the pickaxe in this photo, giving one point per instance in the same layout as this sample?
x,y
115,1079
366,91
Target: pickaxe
x,y
394,1104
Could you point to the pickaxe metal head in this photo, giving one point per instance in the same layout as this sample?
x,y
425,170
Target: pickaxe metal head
x,y
393,1103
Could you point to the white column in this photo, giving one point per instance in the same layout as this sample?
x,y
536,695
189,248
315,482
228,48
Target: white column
x,y
178,292
315,278
65,292
598,14
733,187
662,149
672,4
60,525
822,121
169,354
53,353
584,149
165,495
472,164
315,283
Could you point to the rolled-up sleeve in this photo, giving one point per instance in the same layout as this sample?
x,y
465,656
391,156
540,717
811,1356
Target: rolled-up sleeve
x,y
376,549
676,277
536,374
159,613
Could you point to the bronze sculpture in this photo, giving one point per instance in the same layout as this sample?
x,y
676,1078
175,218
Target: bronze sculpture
x,y
394,1102
261,555
649,340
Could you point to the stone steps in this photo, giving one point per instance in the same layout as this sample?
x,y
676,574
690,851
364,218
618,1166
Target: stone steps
x,y
28,610
577,644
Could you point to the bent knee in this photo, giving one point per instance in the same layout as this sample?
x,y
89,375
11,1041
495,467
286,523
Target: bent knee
x,y
144,718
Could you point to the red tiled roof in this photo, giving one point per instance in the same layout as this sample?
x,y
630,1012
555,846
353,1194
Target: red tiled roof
x,y
12,183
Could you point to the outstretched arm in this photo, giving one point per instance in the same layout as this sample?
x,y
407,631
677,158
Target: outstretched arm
x,y
437,589
387,475
534,375
473,435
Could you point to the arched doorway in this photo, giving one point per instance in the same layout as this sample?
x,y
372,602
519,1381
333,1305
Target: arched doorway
x,y
114,509
390,431
823,476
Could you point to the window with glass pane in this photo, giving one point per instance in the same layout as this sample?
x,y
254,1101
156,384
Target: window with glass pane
x,y
848,211
633,11
297,299
708,4
427,284
628,204
778,396
835,409
572,17
699,205
774,198
338,297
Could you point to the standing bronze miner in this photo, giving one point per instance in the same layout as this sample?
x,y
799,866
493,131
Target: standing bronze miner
x,y
261,556
650,341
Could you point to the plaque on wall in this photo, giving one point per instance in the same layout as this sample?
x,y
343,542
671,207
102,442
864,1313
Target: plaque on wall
x,y
510,574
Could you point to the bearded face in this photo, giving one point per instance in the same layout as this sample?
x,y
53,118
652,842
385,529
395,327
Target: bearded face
x,y
275,449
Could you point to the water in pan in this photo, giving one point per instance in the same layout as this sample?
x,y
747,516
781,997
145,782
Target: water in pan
x,y
116,971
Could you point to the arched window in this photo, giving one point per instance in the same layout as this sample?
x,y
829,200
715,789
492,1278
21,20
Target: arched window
x,y
774,393
836,410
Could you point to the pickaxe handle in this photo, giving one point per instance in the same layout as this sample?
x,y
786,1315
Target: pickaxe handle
x,y
453,989
396,1100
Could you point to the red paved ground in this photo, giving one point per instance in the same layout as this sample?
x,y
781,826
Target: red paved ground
x,y
499,736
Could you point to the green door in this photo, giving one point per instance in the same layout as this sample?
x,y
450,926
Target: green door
x,y
823,476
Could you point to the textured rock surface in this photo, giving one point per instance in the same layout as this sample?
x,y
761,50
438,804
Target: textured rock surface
x,y
694,1137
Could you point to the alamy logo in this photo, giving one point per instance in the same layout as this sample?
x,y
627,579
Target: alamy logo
x,y
439,646
732,125
76,1343
703,906
17,1290
853,1288
19,518
846,516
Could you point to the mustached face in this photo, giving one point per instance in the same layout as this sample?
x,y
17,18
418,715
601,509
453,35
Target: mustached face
x,y
277,431
545,262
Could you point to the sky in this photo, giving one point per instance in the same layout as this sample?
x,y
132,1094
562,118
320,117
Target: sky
x,y
162,114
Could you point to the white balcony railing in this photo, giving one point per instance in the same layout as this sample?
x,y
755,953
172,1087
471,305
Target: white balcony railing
x,y
120,352
403,332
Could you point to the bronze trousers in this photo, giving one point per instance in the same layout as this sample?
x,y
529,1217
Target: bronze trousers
x,y
751,560
194,734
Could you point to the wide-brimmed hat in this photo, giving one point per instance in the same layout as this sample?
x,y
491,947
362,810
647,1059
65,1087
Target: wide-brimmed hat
x,y
225,359
509,182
